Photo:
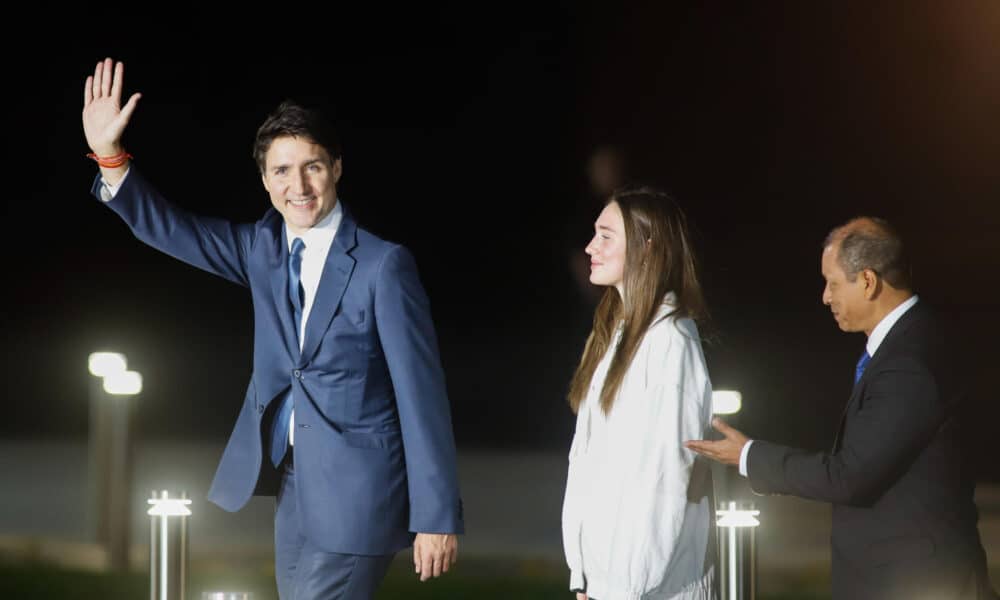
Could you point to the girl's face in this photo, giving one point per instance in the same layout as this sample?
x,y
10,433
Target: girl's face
x,y
607,248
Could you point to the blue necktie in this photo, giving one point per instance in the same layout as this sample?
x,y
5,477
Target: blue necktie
x,y
296,297
862,363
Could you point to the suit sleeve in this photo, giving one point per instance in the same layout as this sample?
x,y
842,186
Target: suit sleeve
x,y
897,416
403,318
213,245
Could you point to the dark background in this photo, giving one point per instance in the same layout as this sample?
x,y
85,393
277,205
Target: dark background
x,y
466,133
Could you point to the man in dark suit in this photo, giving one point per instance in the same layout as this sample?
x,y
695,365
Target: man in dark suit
x,y
346,418
904,522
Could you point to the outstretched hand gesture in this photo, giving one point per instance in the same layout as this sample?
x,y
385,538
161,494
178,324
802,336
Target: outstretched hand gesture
x,y
104,118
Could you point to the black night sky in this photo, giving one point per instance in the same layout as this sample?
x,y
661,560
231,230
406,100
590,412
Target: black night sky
x,y
466,134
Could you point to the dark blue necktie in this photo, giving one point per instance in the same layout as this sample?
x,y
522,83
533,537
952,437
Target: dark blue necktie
x,y
296,297
862,363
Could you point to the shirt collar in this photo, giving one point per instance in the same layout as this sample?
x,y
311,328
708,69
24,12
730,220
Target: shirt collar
x,y
882,329
321,234
667,305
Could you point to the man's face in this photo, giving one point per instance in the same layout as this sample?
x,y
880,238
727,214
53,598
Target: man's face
x,y
846,299
607,248
301,180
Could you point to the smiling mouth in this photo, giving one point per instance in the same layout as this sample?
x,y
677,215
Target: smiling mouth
x,y
301,203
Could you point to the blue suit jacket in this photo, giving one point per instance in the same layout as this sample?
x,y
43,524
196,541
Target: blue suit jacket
x,y
374,451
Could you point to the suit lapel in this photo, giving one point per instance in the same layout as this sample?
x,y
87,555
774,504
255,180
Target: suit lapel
x,y
885,348
279,287
332,283
843,416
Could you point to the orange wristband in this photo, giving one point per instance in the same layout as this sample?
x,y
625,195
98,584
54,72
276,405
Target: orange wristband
x,y
111,162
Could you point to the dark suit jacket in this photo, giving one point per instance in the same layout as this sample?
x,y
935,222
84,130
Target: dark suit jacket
x,y
904,523
374,451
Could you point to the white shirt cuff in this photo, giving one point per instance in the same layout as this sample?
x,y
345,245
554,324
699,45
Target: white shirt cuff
x,y
108,191
744,453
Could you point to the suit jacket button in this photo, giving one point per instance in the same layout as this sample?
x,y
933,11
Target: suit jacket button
x,y
297,373
260,408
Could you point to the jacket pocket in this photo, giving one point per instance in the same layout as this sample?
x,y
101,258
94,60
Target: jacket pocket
x,y
357,439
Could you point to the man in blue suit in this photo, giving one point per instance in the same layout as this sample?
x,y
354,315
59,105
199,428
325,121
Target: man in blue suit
x,y
346,419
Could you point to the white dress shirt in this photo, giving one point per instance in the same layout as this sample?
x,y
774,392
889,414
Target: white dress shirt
x,y
317,240
637,515
108,190
874,341
883,327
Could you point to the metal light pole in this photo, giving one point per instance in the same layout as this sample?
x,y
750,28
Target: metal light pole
x,y
738,548
724,402
110,452
98,472
736,525
168,546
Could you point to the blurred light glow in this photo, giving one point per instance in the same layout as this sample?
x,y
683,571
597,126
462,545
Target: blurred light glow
x,y
735,517
102,364
124,383
168,507
726,402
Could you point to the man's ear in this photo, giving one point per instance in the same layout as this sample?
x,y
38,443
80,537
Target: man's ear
x,y
872,283
338,170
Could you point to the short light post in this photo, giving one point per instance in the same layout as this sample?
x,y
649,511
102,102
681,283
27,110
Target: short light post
x,y
168,546
724,402
736,523
738,550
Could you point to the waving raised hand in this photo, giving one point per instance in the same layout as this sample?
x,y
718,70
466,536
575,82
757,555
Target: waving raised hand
x,y
104,118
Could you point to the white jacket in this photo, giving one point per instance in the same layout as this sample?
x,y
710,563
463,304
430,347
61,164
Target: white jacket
x,y
638,519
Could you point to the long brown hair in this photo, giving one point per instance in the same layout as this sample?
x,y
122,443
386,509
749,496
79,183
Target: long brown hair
x,y
659,259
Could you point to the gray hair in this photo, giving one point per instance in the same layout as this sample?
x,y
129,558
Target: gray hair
x,y
871,243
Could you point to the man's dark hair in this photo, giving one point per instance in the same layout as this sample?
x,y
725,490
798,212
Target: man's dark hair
x,y
293,120
871,243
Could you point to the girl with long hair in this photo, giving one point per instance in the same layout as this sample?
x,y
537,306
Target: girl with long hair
x,y
638,518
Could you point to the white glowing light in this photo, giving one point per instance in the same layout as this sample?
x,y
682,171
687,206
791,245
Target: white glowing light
x,y
169,507
734,517
102,364
726,402
124,383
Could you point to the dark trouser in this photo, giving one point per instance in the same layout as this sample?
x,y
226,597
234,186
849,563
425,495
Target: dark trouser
x,y
304,572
